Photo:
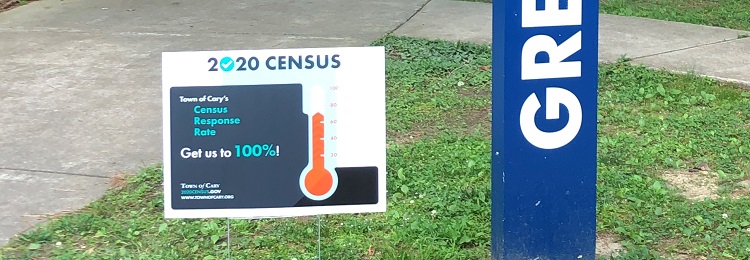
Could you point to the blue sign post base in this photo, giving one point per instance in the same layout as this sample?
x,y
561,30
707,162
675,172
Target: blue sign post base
x,y
545,58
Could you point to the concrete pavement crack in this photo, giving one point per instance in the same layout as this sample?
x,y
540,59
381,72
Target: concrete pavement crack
x,y
686,48
410,17
54,172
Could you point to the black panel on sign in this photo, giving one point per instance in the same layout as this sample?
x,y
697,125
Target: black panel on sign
x,y
269,114
357,186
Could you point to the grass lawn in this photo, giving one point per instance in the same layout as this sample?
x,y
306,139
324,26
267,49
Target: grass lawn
x,y
654,126
734,14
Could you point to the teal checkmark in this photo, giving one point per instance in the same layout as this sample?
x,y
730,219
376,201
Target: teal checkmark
x,y
227,64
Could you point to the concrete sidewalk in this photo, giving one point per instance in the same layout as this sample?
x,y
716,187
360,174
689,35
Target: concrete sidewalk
x,y
710,51
80,82
80,79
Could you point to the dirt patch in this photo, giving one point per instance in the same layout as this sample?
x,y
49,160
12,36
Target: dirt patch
x,y
469,122
743,190
10,4
118,181
697,185
305,219
607,245
671,252
476,93
698,4
609,129
681,256
399,139
7,4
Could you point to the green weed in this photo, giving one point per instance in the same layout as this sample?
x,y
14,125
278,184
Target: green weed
x,y
652,122
734,14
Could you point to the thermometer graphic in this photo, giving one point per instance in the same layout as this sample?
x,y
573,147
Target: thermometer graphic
x,y
318,183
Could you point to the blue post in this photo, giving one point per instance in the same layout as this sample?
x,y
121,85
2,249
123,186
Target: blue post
x,y
545,57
